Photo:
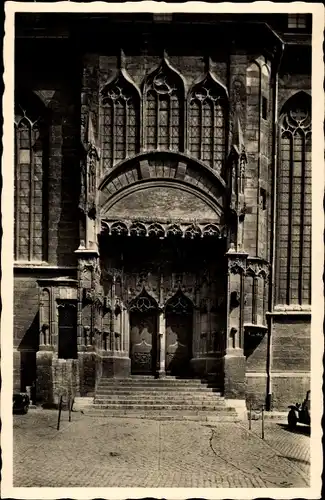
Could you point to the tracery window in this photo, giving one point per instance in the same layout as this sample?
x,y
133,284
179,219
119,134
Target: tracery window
x,y
164,107
31,137
294,204
207,123
120,121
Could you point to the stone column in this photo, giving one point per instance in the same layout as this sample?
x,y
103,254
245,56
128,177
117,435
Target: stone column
x,y
47,340
234,359
86,318
162,343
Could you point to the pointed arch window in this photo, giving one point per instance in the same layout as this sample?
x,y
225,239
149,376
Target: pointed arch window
x,y
164,108
207,138
31,140
120,121
294,203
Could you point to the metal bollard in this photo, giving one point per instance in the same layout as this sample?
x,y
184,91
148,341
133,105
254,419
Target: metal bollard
x,y
263,422
59,416
250,416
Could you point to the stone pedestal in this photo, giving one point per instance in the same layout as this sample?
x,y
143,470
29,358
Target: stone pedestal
x,y
87,372
203,366
44,375
116,365
234,364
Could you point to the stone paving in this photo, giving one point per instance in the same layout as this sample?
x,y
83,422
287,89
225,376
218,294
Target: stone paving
x,y
130,452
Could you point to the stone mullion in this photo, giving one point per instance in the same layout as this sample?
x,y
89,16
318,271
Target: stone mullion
x,y
157,121
31,197
201,129
290,212
113,145
169,120
126,138
213,138
302,218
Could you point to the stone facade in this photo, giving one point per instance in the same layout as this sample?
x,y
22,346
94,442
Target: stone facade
x,y
151,203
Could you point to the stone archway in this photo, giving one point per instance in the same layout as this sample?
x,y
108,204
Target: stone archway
x,y
143,313
179,335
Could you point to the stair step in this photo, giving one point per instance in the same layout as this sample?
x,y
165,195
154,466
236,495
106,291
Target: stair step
x,y
159,393
170,407
154,381
164,415
178,401
137,388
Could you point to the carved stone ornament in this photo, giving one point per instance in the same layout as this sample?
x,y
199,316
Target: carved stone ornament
x,y
237,265
87,335
257,268
89,295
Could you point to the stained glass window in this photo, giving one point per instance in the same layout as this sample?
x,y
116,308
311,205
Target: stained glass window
x,y
294,204
120,122
30,216
207,124
164,101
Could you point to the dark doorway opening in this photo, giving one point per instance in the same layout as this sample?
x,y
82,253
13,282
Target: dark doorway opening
x,y
179,334
143,335
67,330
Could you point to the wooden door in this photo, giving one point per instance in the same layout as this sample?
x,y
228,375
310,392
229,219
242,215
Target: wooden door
x,y
143,342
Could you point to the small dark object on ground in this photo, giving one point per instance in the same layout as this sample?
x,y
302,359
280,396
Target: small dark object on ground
x,y
20,403
299,413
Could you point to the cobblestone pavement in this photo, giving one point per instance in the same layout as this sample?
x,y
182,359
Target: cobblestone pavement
x,y
112,452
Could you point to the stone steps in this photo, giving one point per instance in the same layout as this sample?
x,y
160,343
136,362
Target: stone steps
x,y
162,402
161,391
167,407
205,416
170,397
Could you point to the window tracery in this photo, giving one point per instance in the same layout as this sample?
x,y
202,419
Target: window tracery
x,y
120,121
30,157
207,123
294,204
164,107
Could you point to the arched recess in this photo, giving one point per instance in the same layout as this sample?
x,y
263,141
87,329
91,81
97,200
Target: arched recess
x,y
31,170
207,109
293,257
143,314
120,118
179,334
163,185
164,95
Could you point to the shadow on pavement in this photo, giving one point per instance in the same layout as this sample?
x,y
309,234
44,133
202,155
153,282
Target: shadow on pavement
x,y
300,429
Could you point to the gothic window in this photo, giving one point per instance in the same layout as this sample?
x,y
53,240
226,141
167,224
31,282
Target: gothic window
x,y
294,203
31,135
67,348
207,123
120,121
164,107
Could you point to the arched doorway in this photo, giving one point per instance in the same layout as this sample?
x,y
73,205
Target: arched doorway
x,y
143,334
179,333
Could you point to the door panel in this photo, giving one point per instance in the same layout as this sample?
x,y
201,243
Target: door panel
x,y
178,343
143,343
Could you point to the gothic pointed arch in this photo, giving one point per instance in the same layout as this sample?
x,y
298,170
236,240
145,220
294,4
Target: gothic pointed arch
x,y
31,158
164,94
294,202
143,302
207,104
120,118
179,303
